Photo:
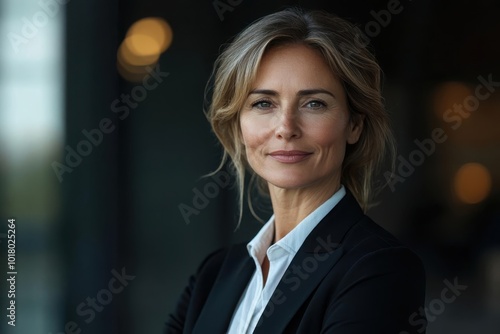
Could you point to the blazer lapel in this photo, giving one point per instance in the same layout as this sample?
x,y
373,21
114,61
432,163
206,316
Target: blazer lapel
x,y
226,293
318,254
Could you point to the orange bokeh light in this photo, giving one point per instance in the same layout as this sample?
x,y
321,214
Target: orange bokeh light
x,y
139,50
146,39
448,94
472,183
156,28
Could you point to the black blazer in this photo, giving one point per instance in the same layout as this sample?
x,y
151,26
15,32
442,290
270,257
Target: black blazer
x,y
349,276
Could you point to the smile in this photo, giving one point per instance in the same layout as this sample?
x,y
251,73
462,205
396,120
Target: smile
x,y
290,157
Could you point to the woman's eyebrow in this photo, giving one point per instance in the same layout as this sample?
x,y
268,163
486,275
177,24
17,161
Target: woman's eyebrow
x,y
264,92
315,91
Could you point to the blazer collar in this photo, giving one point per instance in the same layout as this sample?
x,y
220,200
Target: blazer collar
x,y
228,288
332,229
317,255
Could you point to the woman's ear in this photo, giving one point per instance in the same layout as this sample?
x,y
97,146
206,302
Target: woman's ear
x,y
356,127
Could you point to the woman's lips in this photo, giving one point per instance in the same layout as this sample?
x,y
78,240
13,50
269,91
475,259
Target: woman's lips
x,y
289,156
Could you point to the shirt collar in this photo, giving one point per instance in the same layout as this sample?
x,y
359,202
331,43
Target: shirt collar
x,y
258,246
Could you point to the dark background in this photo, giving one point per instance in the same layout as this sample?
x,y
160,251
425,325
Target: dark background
x,y
119,209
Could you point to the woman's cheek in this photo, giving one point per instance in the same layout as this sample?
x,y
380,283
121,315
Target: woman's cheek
x,y
254,132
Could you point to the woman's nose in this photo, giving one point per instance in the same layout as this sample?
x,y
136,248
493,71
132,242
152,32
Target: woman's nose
x,y
288,126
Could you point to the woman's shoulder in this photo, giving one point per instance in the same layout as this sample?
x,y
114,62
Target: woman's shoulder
x,y
215,260
368,242
368,233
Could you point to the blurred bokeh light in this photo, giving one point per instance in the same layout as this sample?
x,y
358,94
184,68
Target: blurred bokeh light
x,y
472,183
144,42
448,94
155,28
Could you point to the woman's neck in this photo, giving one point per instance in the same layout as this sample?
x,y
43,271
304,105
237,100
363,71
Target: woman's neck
x,y
291,206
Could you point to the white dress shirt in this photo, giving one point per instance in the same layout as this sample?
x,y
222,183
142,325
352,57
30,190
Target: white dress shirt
x,y
280,255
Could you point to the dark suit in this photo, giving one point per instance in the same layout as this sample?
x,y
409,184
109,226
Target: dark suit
x,y
349,276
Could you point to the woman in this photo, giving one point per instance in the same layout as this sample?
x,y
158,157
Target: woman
x,y
297,104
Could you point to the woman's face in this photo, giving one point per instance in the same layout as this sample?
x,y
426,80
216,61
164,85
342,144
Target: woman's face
x,y
295,121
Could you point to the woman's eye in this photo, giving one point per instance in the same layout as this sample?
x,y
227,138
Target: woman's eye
x,y
262,105
315,104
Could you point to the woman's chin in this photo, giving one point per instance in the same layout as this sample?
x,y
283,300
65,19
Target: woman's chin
x,y
289,183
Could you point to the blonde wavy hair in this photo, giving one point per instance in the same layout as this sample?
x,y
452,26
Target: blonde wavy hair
x,y
341,45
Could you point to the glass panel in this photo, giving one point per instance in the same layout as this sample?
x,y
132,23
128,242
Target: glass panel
x,y
31,137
